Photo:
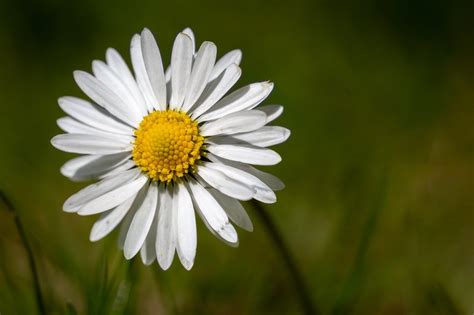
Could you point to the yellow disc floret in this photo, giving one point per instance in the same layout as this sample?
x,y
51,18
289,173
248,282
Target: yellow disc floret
x,y
167,145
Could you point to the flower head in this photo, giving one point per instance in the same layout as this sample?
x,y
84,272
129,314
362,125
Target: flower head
x,y
165,145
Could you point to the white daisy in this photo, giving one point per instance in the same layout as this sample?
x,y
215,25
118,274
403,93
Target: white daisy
x,y
164,144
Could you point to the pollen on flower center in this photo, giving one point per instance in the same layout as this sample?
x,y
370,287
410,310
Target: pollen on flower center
x,y
167,145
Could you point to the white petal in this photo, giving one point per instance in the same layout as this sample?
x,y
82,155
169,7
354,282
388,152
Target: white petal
x,y
119,66
212,213
261,191
110,79
234,210
272,111
106,98
234,123
90,144
263,137
269,179
224,183
70,125
92,166
216,89
190,33
185,226
154,67
165,238
109,220
205,58
148,251
181,62
93,115
244,98
232,57
168,84
113,197
168,80
245,153
124,227
119,169
141,222
76,201
140,73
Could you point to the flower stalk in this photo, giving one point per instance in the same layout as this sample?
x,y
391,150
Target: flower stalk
x,y
309,307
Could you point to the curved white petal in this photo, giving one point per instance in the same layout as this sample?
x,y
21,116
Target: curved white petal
x,y
261,191
232,57
70,125
113,197
148,251
119,66
190,33
245,153
202,67
185,226
234,209
168,84
269,179
141,75
92,166
272,111
166,235
244,98
90,144
110,79
109,220
212,213
119,169
168,80
141,222
93,115
154,67
224,183
76,201
106,98
216,89
263,137
234,123
181,63
127,221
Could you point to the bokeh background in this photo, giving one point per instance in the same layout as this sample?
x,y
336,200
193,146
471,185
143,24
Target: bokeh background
x,y
378,209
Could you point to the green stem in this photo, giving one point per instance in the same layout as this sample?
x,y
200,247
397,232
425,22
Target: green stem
x,y
309,308
29,252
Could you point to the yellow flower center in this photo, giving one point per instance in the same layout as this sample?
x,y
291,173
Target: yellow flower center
x,y
167,145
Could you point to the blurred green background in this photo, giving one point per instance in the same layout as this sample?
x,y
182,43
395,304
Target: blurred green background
x,y
378,209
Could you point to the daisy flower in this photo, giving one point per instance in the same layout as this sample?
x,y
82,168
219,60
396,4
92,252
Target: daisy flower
x,y
165,145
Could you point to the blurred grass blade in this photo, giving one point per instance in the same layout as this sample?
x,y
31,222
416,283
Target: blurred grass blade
x,y
31,259
98,301
123,297
309,307
352,287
